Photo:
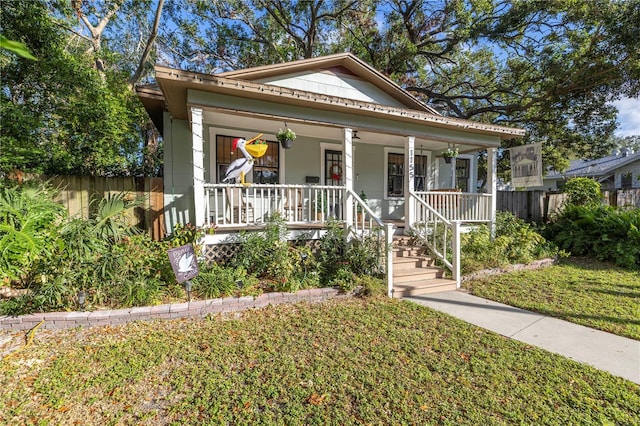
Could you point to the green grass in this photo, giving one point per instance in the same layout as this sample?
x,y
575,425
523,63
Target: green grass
x,y
583,291
353,361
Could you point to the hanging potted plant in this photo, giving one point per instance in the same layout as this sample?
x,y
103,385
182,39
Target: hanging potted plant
x,y
286,137
449,154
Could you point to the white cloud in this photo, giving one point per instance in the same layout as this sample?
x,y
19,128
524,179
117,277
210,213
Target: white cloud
x,y
628,116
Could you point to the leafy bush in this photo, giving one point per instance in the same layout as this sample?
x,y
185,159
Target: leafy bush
x,y
604,232
515,242
343,278
583,191
29,220
215,281
360,255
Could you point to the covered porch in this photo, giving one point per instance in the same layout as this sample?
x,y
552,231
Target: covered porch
x,y
367,154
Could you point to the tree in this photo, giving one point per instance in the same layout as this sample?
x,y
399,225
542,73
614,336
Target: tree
x,y
235,34
51,123
550,67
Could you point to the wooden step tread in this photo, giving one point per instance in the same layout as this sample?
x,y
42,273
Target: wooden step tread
x,y
423,287
411,276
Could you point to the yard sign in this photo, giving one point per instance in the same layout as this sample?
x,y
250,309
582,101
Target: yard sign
x,y
184,262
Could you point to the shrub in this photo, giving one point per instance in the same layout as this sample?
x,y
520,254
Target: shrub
x,y
604,232
583,191
343,278
360,255
515,242
29,220
215,281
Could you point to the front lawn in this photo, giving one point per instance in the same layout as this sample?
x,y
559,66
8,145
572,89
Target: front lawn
x,y
583,291
354,361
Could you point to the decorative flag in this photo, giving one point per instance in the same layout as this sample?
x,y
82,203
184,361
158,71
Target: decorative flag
x,y
526,165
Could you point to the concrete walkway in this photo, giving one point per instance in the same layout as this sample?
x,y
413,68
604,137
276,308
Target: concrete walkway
x,y
617,355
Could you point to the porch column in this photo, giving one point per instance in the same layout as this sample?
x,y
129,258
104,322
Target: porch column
x,y
409,173
198,165
492,186
347,146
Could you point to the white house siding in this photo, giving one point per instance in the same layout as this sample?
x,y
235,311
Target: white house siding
x,y
634,169
178,173
334,85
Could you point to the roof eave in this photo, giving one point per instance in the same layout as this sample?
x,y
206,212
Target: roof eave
x,y
167,77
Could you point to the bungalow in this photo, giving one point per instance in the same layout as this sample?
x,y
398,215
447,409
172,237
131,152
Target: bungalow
x,y
358,133
620,170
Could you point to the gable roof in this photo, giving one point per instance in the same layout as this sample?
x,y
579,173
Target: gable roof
x,y
346,63
593,168
173,86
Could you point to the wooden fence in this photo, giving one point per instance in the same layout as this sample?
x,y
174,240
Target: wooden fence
x,y
81,195
540,206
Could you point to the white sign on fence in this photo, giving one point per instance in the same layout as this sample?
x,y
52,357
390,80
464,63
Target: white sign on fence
x,y
526,165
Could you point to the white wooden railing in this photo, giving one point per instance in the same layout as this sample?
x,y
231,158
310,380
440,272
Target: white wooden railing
x,y
233,205
365,222
458,206
439,234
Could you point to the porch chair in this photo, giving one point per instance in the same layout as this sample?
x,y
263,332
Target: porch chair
x,y
293,205
239,210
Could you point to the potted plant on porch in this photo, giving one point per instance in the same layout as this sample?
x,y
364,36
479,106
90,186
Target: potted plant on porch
x,y
319,205
286,137
449,154
359,211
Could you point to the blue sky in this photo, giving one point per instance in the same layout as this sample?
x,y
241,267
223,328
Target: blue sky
x,y
628,116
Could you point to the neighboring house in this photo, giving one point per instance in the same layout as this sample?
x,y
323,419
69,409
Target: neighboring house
x,y
620,170
357,131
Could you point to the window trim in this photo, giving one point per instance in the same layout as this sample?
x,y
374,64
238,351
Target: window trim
x,y
213,155
417,152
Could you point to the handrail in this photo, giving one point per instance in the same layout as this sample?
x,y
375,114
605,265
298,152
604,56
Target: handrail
x,y
359,227
430,228
359,202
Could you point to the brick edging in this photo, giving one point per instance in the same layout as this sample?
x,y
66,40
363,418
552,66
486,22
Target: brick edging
x,y
197,309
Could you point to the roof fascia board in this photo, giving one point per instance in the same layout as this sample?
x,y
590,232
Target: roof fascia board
x,y
223,102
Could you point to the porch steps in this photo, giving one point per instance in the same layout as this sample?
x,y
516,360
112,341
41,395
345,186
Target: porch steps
x,y
414,272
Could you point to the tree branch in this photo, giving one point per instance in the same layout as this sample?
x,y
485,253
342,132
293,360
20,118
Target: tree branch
x,y
147,49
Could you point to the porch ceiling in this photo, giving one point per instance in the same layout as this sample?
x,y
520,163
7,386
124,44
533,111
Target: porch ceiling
x,y
250,125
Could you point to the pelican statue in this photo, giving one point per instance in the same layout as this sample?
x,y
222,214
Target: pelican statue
x,y
241,166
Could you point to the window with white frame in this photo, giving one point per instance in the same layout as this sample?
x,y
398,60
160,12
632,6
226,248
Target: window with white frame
x,y
265,169
394,172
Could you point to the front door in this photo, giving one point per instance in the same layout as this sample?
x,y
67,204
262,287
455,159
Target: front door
x,y
333,168
334,176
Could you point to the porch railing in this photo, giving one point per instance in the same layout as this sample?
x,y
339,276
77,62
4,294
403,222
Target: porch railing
x,y
458,206
365,222
233,205
438,233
